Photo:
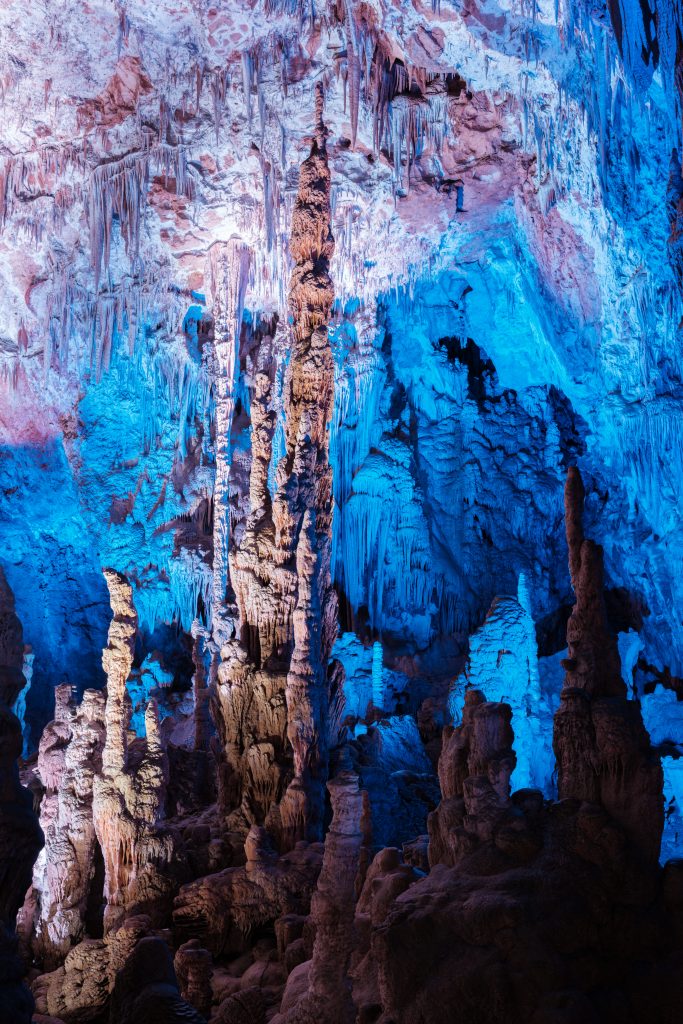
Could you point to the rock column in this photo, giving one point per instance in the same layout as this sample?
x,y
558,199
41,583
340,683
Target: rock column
x,y
602,747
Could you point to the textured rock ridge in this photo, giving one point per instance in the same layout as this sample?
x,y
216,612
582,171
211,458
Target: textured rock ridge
x,y
67,886
602,747
224,909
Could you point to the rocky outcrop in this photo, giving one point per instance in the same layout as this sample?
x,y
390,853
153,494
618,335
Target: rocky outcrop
x,y
194,967
223,910
274,686
129,976
20,835
475,766
602,747
550,903
128,794
66,896
79,990
146,990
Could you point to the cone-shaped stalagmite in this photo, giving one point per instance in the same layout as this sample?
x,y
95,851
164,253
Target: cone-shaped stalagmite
x,y
602,748
272,701
127,805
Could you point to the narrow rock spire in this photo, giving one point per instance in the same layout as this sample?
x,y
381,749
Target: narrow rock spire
x,y
602,747
271,703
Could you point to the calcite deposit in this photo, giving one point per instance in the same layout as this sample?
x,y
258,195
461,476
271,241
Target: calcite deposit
x,y
341,655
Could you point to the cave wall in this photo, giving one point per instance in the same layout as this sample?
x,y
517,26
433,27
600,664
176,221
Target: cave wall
x,y
506,197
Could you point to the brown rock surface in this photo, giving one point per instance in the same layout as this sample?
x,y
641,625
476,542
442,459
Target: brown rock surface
x,y
328,995
222,910
128,802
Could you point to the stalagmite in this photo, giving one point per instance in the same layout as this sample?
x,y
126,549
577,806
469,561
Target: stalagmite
x,y
503,664
64,895
603,750
229,269
200,690
332,911
475,766
129,804
274,691
303,503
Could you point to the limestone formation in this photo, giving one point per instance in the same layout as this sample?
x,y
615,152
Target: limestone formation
x,y
503,664
19,708
602,747
332,912
475,766
79,990
229,269
66,896
274,684
194,967
128,798
146,990
129,976
200,690
222,910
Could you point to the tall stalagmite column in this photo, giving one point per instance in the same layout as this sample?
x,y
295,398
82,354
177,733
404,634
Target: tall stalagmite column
x,y
304,502
274,691
229,264
602,747
128,805
69,758
333,907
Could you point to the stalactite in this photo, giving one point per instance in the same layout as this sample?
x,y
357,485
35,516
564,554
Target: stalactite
x,y
118,189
